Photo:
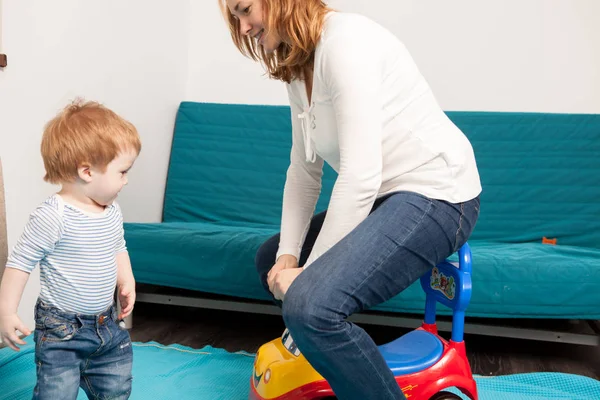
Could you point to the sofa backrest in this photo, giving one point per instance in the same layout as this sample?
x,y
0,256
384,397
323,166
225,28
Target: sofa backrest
x,y
540,175
540,172
228,164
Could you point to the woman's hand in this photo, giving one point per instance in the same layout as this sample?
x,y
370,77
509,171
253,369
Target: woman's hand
x,y
283,280
284,262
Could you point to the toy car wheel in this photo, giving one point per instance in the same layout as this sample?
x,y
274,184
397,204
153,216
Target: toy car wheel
x,y
445,396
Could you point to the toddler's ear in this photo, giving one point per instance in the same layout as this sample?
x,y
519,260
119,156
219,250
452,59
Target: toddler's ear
x,y
84,171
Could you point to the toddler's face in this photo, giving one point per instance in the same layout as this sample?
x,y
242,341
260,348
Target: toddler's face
x,y
105,186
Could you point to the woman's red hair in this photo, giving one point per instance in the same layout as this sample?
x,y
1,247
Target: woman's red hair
x,y
298,22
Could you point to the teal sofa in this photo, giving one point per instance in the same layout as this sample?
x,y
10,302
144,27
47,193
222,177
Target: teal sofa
x,y
540,175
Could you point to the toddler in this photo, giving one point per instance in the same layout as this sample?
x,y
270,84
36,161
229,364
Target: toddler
x,y
76,236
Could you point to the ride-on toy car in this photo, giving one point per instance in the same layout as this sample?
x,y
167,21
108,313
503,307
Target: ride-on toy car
x,y
423,363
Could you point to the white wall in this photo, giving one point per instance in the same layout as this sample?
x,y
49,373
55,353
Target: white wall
x,y
217,71
129,55
509,55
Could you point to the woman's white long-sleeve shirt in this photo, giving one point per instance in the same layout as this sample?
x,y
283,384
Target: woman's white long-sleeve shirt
x,y
374,119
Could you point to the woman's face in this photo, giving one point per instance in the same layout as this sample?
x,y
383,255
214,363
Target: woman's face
x,y
250,14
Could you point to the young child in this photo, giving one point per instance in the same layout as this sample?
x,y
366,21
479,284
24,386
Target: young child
x,y
76,236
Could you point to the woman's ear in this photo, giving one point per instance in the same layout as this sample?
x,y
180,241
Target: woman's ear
x,y
84,171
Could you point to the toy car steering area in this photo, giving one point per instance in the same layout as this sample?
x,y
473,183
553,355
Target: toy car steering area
x,y
424,363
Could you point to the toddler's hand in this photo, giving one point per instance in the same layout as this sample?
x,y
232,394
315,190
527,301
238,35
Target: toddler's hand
x,y
9,324
127,299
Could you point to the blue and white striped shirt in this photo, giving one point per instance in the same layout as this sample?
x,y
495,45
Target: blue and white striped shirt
x,y
76,251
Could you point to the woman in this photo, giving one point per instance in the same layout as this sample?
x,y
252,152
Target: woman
x,y
407,192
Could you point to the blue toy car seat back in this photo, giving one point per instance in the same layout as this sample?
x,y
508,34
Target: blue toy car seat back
x,y
450,285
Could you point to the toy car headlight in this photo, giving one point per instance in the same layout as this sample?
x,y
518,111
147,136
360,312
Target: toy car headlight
x,y
267,375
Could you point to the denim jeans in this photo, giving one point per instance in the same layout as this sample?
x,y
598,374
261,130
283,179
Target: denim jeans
x,y
403,237
87,351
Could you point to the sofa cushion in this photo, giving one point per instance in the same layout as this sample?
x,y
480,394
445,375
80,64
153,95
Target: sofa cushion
x,y
524,280
519,280
197,256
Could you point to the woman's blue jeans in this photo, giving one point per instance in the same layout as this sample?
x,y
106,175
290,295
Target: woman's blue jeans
x,y
404,236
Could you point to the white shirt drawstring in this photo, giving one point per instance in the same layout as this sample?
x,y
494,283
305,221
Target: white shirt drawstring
x,y
304,122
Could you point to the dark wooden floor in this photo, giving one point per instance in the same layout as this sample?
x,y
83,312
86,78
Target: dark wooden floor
x,y
234,331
